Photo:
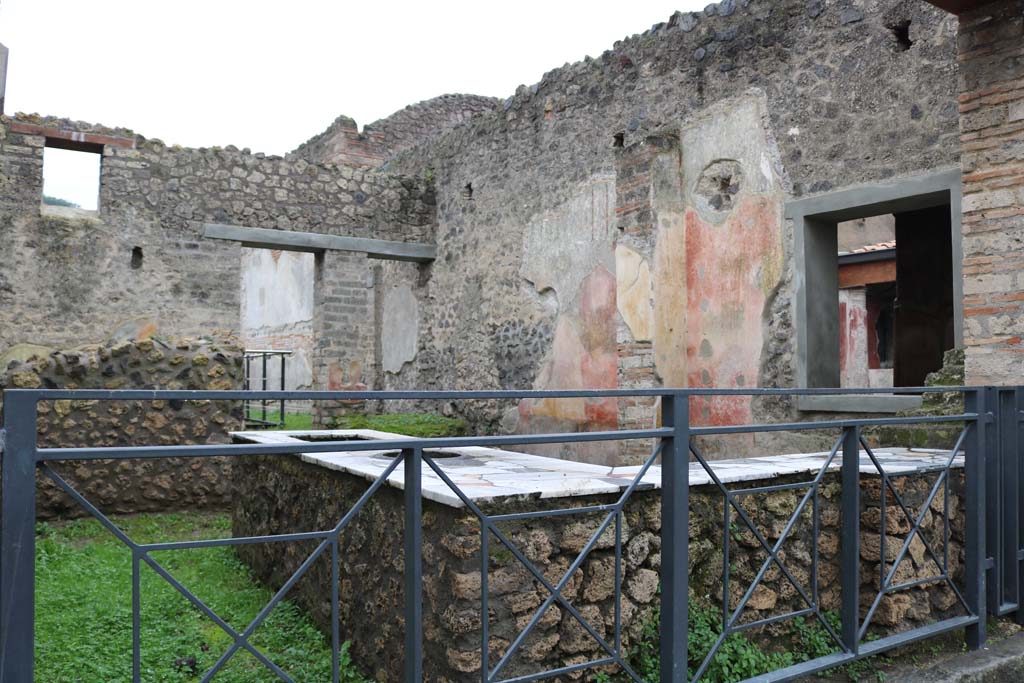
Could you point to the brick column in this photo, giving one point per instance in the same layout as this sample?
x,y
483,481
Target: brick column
x,y
991,56
639,172
343,330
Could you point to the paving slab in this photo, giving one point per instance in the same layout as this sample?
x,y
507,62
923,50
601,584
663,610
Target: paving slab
x,y
1000,661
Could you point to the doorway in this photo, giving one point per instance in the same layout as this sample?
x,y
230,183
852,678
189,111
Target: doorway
x,y
915,301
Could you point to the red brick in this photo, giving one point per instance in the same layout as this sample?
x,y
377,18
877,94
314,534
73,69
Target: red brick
x,y
74,136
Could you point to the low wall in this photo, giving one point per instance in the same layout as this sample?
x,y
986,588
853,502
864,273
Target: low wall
x,y
285,494
129,486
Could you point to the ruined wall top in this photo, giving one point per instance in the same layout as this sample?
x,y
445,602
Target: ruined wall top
x,y
422,121
342,143
71,125
865,88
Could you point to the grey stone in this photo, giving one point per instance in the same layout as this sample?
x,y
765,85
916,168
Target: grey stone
x,y
850,15
688,21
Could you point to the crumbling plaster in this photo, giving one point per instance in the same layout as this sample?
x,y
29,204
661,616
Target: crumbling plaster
x,y
400,323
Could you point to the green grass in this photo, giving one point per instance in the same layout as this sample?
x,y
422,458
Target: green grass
x,y
83,609
291,420
421,425
741,657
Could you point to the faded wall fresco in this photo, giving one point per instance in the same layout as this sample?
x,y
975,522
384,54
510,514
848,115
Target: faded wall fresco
x,y
853,338
709,212
733,252
399,328
731,269
569,252
684,292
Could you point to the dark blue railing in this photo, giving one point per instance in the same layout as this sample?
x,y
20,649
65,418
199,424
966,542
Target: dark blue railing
x,y
991,457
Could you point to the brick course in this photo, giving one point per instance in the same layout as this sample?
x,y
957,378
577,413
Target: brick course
x,y
991,53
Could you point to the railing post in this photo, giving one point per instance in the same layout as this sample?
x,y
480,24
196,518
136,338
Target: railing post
x,y
17,538
850,539
247,403
263,401
993,506
1004,587
1015,424
413,566
974,506
280,417
675,537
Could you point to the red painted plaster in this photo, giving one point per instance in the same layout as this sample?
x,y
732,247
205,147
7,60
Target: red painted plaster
x,y
584,356
852,321
730,270
874,310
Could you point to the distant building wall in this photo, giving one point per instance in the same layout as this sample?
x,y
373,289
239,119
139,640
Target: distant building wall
x,y
865,231
140,262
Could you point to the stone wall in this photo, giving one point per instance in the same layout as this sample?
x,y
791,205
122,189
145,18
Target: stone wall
x,y
282,495
342,143
991,44
130,486
141,257
540,283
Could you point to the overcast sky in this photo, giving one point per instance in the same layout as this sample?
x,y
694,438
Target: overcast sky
x,y
270,75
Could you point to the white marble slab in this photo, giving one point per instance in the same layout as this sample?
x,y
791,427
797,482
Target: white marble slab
x,y
485,474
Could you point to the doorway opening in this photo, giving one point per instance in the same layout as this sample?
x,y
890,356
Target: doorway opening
x,y
895,297
277,330
879,290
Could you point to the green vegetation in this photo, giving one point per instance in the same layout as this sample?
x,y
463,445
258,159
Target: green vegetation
x,y
739,657
57,201
296,421
421,425
84,618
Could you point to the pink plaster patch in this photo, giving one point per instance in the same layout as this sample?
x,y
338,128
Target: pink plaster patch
x,y
730,268
852,341
583,356
338,379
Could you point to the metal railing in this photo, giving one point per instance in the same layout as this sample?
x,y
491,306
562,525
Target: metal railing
x,y
255,411
674,444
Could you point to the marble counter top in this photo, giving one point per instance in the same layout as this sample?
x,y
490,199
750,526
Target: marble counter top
x,y
486,474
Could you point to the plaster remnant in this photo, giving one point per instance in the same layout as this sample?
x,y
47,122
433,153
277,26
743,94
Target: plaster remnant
x,y
670,302
633,292
399,328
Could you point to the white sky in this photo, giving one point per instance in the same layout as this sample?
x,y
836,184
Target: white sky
x,y
270,75
74,176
